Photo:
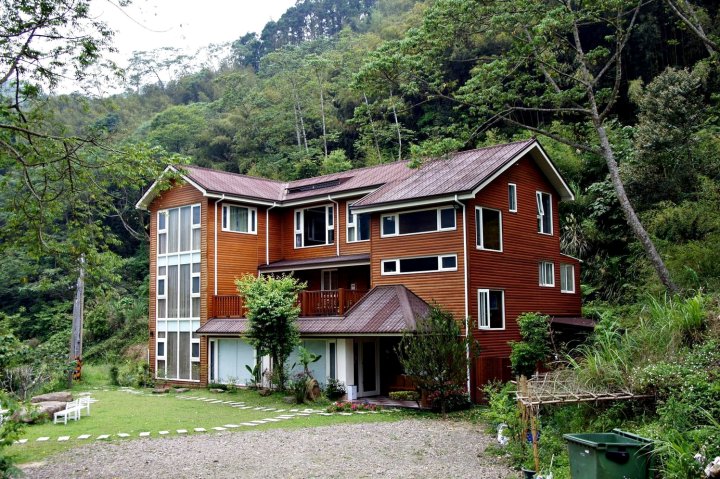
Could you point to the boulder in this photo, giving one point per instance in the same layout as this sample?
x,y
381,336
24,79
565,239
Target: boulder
x,y
48,408
289,399
62,396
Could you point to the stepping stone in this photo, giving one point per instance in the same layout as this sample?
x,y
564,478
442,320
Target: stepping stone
x,y
258,421
257,409
144,434
346,414
284,418
123,434
248,424
42,439
326,414
63,438
361,412
294,410
163,433
281,410
22,441
271,419
200,429
216,401
182,431
83,436
231,425
103,436
246,407
219,428
304,414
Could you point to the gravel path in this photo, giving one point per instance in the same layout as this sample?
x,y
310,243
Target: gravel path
x,y
409,448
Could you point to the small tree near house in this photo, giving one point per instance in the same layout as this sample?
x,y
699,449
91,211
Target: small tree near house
x,y
272,312
435,356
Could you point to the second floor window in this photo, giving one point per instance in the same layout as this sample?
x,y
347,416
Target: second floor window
x,y
491,309
358,226
178,230
544,212
488,229
422,221
239,219
314,226
567,278
422,264
547,273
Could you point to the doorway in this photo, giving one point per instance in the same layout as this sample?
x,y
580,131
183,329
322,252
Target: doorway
x,y
368,358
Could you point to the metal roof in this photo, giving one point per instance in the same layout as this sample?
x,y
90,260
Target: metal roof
x,y
312,263
386,310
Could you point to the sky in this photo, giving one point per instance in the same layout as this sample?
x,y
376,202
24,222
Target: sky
x,y
188,24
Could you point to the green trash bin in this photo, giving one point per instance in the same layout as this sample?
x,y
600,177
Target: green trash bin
x,y
611,455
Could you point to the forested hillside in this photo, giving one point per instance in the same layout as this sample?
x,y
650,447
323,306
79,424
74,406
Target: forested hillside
x,y
333,85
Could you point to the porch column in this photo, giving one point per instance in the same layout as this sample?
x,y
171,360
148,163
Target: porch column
x,y
345,362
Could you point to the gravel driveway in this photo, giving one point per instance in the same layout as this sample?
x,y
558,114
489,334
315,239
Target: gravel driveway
x,y
408,448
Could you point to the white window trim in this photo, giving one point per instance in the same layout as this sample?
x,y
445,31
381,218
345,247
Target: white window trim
x,y
327,360
194,359
397,222
479,226
514,195
541,211
487,309
299,230
167,234
354,225
397,265
541,273
252,219
563,267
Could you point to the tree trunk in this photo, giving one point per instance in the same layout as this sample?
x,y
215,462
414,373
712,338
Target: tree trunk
x,y
77,321
640,233
690,19
322,114
397,126
372,127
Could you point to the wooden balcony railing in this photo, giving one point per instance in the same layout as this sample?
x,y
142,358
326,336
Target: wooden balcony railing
x,y
334,302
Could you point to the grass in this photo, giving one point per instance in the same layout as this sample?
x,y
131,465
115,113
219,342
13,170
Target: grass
x,y
118,411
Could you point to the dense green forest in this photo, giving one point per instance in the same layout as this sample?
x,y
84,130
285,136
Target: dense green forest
x,y
333,85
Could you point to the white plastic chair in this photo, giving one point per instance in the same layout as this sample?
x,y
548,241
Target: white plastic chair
x,y
71,411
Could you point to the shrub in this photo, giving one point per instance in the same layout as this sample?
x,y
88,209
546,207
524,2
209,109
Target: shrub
x,y
451,398
301,385
334,389
349,406
405,395
222,386
534,348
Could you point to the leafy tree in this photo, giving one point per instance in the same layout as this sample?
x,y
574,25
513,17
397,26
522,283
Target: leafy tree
x,y
534,348
434,356
272,312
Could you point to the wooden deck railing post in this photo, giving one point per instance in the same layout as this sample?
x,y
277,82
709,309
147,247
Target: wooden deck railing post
x,y
341,301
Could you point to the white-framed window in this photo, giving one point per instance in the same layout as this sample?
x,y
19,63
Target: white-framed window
x,y
178,292
544,212
239,219
491,309
488,229
546,271
512,197
331,355
358,226
419,264
567,278
418,221
314,226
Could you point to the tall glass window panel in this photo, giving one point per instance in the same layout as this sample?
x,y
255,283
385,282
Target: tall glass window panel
x,y
488,229
544,212
491,309
173,280
173,230
512,197
185,227
172,354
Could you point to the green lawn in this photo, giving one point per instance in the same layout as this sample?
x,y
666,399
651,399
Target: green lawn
x,y
121,412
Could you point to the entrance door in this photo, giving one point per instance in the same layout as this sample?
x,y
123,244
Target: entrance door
x,y
368,371
329,279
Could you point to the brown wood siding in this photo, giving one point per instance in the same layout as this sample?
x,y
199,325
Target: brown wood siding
x,y
288,237
172,198
515,269
238,253
359,247
444,287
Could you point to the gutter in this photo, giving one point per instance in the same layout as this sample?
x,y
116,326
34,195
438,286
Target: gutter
x,y
267,233
465,272
215,247
337,225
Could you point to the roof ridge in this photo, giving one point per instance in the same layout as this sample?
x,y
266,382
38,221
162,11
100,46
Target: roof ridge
x,y
352,170
405,304
232,173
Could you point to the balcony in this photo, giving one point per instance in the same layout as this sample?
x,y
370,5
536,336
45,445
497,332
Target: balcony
x,y
332,302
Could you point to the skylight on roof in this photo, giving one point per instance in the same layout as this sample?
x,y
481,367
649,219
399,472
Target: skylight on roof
x,y
314,186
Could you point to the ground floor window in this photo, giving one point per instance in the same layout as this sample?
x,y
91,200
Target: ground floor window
x,y
228,360
178,350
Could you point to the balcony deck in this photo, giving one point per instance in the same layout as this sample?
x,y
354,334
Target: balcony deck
x,y
332,302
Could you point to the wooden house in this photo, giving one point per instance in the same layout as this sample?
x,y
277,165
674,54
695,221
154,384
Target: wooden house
x,y
476,232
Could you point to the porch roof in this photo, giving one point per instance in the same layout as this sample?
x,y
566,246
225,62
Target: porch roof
x,y
388,310
579,322
327,262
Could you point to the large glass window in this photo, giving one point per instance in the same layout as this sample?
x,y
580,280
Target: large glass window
x,y
178,293
488,229
358,226
491,309
567,278
547,273
414,222
314,226
421,264
544,212
239,219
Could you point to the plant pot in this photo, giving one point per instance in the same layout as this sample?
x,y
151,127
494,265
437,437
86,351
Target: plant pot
x,y
528,473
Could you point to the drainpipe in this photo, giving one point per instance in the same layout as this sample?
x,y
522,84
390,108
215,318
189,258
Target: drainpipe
x,y
465,272
337,225
215,247
267,233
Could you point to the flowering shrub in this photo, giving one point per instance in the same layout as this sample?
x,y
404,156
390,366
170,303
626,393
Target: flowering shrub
x,y
349,406
455,398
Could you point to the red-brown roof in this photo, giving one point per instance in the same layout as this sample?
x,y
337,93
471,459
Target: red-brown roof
x,y
384,310
235,184
312,263
459,172
579,322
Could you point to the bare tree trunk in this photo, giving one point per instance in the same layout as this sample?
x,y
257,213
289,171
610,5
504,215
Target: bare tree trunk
x,y
322,113
397,127
640,233
298,115
297,125
77,321
372,127
688,16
